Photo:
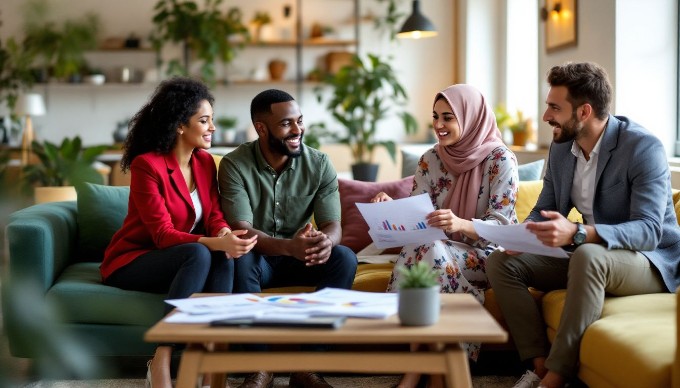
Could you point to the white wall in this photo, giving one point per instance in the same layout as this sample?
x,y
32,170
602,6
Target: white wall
x,y
424,66
636,42
646,65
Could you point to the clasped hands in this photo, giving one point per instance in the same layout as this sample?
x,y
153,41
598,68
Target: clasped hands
x,y
311,246
233,245
443,219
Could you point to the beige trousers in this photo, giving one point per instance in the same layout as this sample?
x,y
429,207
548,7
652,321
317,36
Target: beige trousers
x,y
591,273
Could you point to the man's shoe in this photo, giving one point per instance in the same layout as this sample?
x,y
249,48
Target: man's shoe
x,y
307,380
258,380
528,380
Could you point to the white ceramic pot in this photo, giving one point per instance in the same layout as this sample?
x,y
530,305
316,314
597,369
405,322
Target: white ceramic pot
x,y
419,306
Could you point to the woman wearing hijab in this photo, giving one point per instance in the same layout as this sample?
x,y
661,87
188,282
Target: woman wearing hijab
x,y
470,173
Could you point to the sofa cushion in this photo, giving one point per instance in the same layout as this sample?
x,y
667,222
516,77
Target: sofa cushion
x,y
631,345
531,171
409,163
354,228
80,297
101,211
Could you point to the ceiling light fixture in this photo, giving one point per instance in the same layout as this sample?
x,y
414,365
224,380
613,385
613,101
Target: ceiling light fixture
x,y
417,25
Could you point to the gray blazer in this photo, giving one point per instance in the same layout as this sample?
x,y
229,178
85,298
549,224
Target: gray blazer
x,y
631,183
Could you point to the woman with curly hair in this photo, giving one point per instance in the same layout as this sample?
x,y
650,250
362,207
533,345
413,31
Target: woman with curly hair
x,y
174,239
468,174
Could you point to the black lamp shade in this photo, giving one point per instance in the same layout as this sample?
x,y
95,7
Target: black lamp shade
x,y
417,25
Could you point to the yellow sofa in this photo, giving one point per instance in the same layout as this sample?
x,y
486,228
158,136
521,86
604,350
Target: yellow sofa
x,y
633,344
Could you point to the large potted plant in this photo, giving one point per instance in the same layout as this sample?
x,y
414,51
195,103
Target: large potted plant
x,y
62,167
206,34
418,295
362,95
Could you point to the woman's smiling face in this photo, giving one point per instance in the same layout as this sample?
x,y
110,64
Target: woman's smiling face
x,y
197,133
444,123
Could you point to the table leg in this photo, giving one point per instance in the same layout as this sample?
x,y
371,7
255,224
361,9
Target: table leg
x,y
458,369
188,368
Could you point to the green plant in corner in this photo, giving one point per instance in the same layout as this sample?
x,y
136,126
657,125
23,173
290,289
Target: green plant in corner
x,y
362,95
418,275
66,164
15,72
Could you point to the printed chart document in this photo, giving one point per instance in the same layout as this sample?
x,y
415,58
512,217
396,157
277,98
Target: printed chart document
x,y
400,222
516,237
289,309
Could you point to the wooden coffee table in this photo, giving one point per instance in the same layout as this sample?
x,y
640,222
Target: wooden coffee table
x,y
462,319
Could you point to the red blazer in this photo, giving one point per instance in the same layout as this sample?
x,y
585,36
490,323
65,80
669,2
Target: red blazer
x,y
160,210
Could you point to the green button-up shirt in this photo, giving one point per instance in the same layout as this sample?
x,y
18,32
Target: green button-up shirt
x,y
278,204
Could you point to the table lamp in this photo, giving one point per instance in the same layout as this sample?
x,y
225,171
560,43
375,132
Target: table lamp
x,y
31,104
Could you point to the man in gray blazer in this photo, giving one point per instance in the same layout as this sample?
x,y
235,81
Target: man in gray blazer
x,y
614,172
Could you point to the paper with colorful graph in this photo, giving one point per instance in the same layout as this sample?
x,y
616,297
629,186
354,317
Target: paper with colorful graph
x,y
400,222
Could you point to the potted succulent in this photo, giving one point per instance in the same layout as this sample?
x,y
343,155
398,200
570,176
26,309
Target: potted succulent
x,y
418,295
362,95
62,167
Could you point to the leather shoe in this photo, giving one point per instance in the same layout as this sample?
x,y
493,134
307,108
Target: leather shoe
x,y
258,380
307,380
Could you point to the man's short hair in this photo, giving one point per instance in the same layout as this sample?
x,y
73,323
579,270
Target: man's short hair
x,y
586,82
262,103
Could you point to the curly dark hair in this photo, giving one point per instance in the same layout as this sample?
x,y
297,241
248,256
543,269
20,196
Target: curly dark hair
x,y
262,103
586,82
154,127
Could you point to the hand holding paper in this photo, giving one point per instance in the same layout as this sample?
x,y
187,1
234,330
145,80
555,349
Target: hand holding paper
x,y
400,222
516,237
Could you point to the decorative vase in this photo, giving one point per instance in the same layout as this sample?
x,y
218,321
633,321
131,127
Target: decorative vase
x,y
419,306
367,172
277,68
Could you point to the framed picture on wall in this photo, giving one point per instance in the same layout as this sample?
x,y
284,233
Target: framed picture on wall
x,y
560,24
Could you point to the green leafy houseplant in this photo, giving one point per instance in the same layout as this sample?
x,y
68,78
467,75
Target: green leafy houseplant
x,y
61,48
362,95
516,123
419,275
66,164
205,34
15,72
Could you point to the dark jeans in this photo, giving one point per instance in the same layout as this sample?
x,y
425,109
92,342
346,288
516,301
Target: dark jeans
x,y
178,271
255,272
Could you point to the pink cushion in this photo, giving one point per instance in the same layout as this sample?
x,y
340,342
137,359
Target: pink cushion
x,y
354,228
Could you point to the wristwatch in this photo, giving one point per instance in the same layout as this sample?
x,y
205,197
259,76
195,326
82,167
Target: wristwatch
x,y
580,235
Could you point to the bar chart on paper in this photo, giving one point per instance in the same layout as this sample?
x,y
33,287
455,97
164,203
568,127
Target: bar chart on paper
x,y
387,225
400,222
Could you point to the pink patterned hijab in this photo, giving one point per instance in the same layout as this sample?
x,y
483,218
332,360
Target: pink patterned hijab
x,y
479,135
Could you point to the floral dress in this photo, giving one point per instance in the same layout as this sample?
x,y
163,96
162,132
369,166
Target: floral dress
x,y
462,265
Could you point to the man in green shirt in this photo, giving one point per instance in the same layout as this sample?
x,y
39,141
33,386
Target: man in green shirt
x,y
272,187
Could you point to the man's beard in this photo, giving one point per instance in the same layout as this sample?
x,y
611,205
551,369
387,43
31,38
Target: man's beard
x,y
279,145
568,131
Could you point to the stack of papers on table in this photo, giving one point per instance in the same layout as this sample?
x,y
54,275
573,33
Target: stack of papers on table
x,y
329,302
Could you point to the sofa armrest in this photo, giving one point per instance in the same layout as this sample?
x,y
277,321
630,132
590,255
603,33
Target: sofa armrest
x,y
42,242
